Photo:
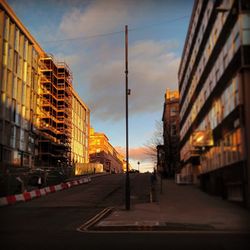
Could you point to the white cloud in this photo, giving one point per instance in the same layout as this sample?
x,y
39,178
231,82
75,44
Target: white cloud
x,y
98,66
152,68
98,17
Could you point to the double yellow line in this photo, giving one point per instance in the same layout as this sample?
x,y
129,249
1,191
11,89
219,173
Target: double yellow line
x,y
95,219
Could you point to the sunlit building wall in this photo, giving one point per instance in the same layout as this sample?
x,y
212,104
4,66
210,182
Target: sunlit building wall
x,y
214,81
80,130
101,151
19,76
37,119
171,130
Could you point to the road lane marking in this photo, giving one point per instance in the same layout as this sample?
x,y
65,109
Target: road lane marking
x,y
95,219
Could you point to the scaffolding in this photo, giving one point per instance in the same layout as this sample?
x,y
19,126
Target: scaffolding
x,y
55,113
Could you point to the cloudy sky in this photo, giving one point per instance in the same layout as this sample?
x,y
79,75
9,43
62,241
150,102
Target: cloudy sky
x,y
89,36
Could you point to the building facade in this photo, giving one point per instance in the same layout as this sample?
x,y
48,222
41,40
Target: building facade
x,y
171,130
101,151
80,130
161,160
19,76
214,109
43,122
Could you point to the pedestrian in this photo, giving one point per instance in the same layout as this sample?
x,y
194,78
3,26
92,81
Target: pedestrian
x,y
152,179
20,185
39,182
153,187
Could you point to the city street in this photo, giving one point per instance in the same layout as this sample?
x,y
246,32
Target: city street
x,y
51,222
59,214
124,125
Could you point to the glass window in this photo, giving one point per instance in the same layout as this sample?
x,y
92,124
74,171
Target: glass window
x,y
16,44
23,111
28,96
13,136
18,112
246,36
7,132
14,89
28,80
20,68
6,28
23,93
25,71
16,62
25,49
27,114
2,103
21,45
5,53
245,19
11,34
19,90
9,84
10,58
4,80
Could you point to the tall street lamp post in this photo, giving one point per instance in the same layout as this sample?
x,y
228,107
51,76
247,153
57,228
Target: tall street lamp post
x,y
138,166
127,92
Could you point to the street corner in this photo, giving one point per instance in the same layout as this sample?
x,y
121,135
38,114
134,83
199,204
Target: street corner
x,y
92,223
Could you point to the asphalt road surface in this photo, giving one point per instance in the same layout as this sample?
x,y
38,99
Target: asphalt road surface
x,y
50,222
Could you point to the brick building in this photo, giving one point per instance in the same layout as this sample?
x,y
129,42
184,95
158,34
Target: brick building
x,y
101,151
169,153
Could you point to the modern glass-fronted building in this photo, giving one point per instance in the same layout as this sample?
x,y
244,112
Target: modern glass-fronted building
x,y
80,130
214,87
43,121
19,77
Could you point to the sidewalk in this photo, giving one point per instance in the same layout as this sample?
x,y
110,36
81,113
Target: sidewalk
x,y
179,207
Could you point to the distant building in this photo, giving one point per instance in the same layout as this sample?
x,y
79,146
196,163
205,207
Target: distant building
x,y
214,88
101,151
168,155
124,166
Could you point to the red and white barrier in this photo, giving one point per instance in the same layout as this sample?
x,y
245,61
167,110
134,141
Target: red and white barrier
x,y
26,196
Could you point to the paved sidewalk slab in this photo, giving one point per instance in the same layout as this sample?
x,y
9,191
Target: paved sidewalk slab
x,y
181,208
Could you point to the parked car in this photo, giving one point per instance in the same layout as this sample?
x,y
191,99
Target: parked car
x,y
55,177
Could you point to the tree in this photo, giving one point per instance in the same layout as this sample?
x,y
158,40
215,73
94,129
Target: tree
x,y
154,141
